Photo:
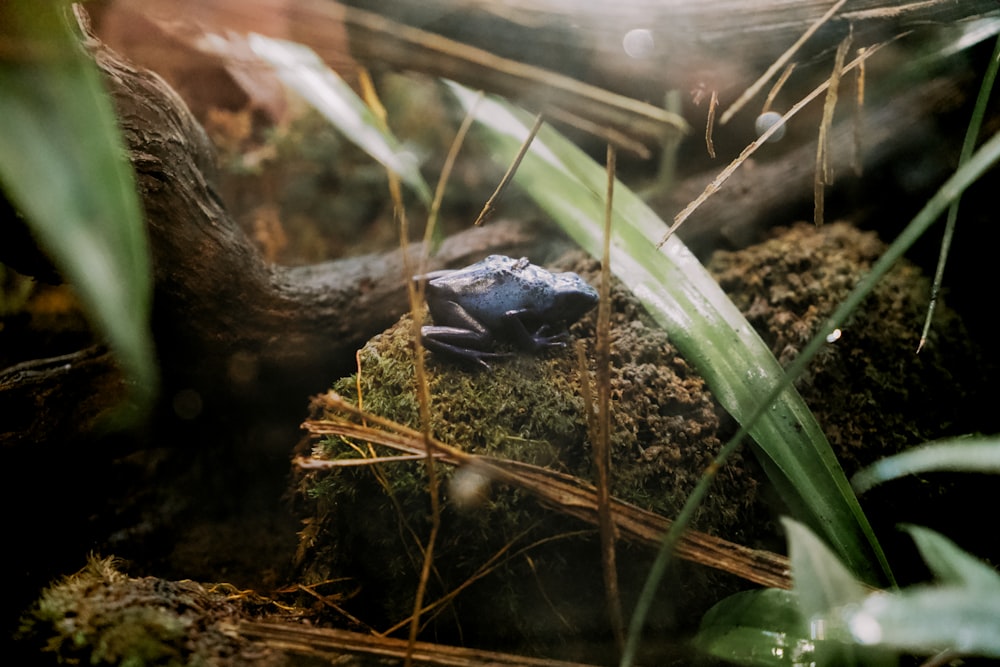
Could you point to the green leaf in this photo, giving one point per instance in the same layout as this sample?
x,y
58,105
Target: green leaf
x,y
305,73
966,454
62,163
758,628
950,564
702,322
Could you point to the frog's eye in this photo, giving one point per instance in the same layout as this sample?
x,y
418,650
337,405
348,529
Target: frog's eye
x,y
520,264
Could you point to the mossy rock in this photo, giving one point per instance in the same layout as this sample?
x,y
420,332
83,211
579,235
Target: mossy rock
x,y
871,391
529,577
101,616
543,580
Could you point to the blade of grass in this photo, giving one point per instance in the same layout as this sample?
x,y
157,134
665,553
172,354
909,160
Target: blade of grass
x,y
62,164
971,134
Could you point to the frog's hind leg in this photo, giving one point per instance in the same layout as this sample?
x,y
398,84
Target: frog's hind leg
x,y
452,342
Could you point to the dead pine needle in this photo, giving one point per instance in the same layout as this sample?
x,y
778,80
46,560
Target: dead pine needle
x,y
779,63
602,444
731,168
859,107
713,105
423,394
823,176
567,495
776,88
490,205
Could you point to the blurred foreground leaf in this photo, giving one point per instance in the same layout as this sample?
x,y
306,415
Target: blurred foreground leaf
x,y
951,565
960,613
62,164
832,619
304,72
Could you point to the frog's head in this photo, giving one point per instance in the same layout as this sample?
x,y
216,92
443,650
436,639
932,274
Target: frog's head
x,y
573,297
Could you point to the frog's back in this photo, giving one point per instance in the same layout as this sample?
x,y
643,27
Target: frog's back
x,y
490,289
504,290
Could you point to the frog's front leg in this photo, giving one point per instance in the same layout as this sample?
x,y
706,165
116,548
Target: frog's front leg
x,y
459,334
536,340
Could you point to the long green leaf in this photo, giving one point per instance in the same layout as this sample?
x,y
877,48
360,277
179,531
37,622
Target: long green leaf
x,y
62,163
702,322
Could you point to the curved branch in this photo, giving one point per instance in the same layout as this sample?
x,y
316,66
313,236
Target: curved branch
x,y
227,324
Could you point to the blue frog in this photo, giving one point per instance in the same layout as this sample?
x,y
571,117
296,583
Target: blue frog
x,y
505,299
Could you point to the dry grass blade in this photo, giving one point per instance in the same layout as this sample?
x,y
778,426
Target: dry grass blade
x,y
602,443
415,294
823,176
779,63
776,88
563,493
724,175
491,203
713,105
858,112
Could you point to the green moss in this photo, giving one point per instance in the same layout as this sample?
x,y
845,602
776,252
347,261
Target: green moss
x,y
100,616
871,391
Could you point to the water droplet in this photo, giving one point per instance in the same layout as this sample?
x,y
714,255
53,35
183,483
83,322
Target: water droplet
x,y
764,123
638,43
